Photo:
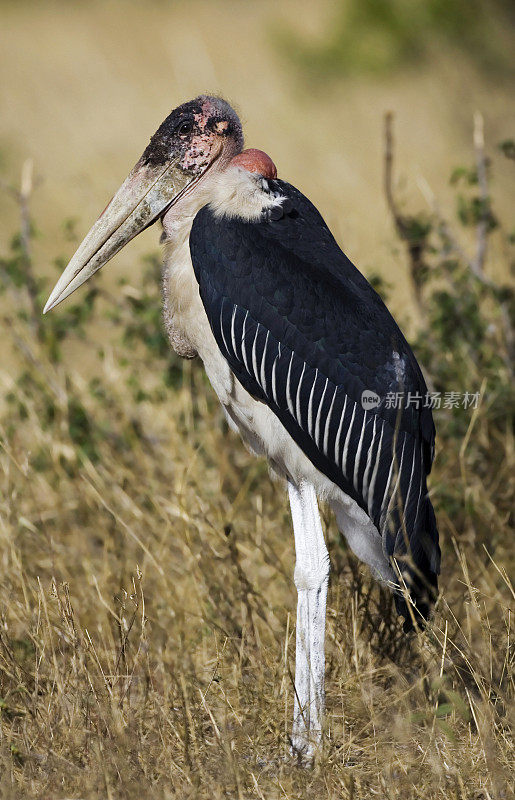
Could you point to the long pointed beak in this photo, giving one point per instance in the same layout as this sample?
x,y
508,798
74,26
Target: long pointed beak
x,y
143,197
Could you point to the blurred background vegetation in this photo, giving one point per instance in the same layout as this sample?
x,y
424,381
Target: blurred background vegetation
x,y
146,595
379,36
85,84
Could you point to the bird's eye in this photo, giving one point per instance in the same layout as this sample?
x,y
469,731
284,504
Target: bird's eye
x,y
185,127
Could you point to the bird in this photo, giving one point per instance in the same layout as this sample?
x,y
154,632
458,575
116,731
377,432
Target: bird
x,y
303,355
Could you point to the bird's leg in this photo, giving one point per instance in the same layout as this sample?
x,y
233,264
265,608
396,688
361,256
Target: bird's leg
x,y
311,579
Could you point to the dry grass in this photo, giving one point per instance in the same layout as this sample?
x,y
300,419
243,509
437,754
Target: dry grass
x,y
147,614
146,640
147,605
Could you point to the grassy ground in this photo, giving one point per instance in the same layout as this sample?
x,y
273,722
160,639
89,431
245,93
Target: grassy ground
x,y
147,614
147,606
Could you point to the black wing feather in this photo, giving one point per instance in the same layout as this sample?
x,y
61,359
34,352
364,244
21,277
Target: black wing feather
x,y
304,332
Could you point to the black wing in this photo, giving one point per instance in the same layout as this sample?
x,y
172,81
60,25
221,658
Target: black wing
x,y
304,332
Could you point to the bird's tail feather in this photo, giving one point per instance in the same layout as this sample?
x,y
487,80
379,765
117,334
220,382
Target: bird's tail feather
x,y
418,564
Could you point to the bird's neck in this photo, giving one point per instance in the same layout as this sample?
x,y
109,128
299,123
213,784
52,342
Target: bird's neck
x,y
233,192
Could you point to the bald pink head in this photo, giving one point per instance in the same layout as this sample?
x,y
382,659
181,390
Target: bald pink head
x,y
256,161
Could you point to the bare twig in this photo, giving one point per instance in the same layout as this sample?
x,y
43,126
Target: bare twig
x,y
22,197
414,247
403,224
445,229
449,236
388,170
482,227
476,264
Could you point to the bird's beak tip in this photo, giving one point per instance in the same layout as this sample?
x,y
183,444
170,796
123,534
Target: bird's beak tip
x,y
138,203
50,304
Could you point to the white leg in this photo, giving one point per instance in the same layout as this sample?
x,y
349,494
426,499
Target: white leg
x,y
311,578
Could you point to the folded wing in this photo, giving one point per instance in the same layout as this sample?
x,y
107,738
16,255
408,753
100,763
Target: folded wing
x,y
305,333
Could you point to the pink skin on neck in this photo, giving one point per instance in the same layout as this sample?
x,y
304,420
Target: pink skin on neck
x,y
256,161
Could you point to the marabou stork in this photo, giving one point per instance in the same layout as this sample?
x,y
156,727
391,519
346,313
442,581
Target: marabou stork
x,y
293,339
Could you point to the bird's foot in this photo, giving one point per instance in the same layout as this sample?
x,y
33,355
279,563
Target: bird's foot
x,y
305,746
